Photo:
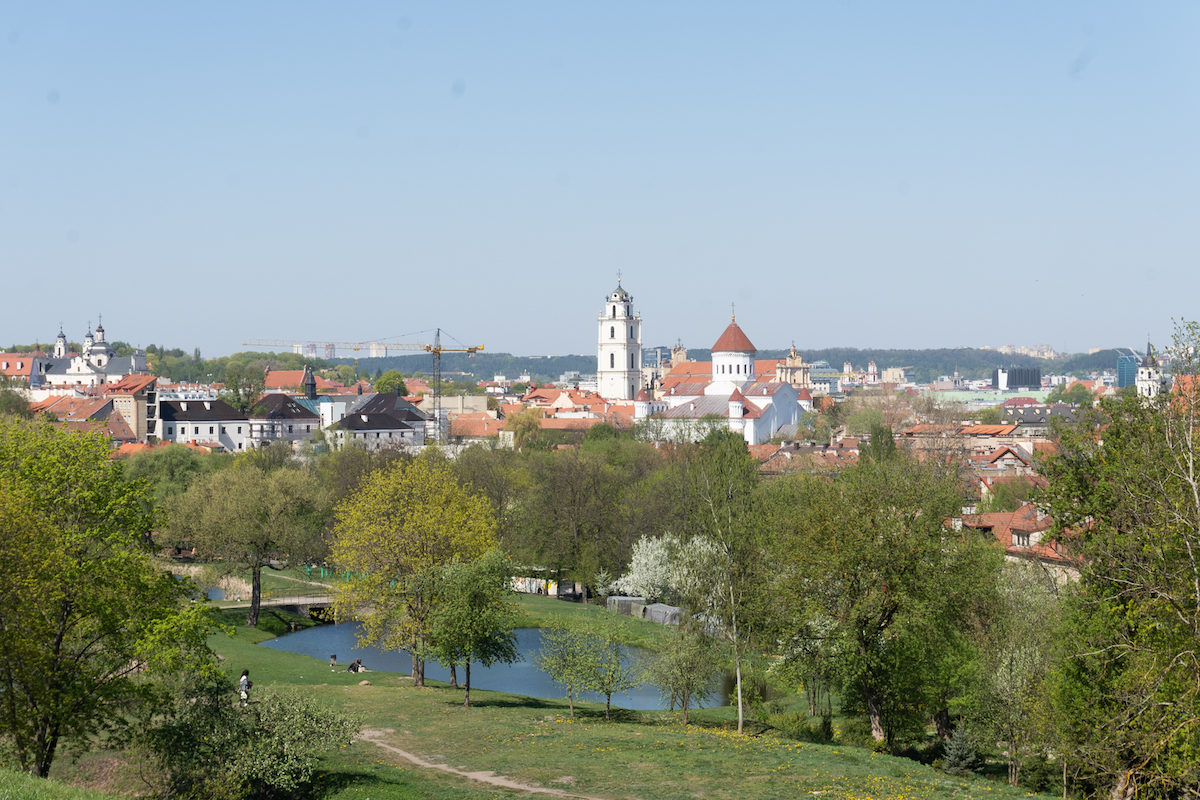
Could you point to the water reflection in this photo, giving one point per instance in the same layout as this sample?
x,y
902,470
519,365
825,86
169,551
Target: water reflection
x,y
523,677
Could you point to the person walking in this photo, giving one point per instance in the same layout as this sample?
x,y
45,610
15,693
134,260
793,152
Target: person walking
x,y
244,685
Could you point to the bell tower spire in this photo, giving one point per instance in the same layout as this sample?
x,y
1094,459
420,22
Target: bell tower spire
x,y
619,347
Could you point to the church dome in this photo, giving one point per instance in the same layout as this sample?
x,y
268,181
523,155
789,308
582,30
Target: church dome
x,y
734,340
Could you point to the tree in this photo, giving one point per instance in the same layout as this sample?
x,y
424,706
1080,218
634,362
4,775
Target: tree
x,y
567,656
251,519
391,381
869,572
525,426
1007,693
13,403
649,570
474,619
204,746
244,384
85,618
610,668
170,469
1125,497
685,669
728,565
402,525
1075,393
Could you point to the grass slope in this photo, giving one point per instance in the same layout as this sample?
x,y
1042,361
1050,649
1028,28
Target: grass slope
x,y
533,741
22,786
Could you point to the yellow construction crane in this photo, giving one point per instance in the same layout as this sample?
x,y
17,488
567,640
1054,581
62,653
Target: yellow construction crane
x,y
329,349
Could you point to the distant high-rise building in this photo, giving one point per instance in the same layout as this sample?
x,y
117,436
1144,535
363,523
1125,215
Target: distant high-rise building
x,y
1127,367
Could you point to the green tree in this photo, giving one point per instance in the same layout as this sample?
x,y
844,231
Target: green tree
x,y
204,746
85,617
1125,496
1005,701
612,670
391,381
728,560
474,619
525,426
170,469
400,527
684,671
1075,393
13,403
251,519
990,416
866,563
567,656
244,384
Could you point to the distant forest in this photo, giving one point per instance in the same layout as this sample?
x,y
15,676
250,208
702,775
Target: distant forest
x,y
921,366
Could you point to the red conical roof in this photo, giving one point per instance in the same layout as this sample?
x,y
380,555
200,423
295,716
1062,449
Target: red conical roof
x,y
733,340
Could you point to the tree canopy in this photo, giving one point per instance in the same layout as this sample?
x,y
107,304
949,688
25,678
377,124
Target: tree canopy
x,y
83,612
400,526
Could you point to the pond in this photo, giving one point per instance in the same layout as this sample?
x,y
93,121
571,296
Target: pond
x,y
523,677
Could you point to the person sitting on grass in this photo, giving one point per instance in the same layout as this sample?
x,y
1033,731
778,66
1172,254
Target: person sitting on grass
x,y
356,666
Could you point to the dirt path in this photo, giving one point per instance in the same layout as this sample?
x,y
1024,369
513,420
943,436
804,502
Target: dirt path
x,y
488,777
302,580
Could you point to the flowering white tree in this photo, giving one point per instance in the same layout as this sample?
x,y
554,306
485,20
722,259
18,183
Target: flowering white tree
x,y
649,570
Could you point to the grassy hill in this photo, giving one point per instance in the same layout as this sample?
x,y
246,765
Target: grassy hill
x,y
534,742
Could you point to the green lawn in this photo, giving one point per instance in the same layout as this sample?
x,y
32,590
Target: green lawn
x,y
21,786
533,741
536,742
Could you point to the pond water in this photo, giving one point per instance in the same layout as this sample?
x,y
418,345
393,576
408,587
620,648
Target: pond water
x,y
523,677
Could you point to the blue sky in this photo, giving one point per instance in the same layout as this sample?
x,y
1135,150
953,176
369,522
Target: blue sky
x,y
863,174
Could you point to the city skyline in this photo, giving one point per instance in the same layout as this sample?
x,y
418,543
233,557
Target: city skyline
x,y
859,175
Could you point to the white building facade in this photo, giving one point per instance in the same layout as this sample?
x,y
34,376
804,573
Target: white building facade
x,y
619,348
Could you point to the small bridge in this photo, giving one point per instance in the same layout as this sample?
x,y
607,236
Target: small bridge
x,y
309,600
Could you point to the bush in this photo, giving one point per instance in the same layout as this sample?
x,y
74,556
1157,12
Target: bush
x,y
961,757
797,725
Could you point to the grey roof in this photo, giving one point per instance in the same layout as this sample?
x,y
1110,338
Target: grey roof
x,y
280,406
371,422
198,411
394,405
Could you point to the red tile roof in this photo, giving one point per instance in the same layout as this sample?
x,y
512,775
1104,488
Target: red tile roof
x,y
733,340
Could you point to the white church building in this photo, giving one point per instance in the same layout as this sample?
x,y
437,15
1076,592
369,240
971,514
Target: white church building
x,y
619,348
733,396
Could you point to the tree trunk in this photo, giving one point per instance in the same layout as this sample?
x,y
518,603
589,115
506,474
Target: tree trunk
x,y
607,704
467,693
941,721
454,675
418,672
1014,766
684,702
1124,788
46,745
255,596
571,701
877,732
737,668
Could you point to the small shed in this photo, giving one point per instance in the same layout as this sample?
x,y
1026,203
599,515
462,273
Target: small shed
x,y
663,614
624,605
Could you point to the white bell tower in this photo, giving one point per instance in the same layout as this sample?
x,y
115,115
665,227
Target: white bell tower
x,y
619,358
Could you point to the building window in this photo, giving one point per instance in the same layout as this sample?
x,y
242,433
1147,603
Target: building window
x,y
170,431
1021,539
222,430
612,331
195,430
612,360
630,331
239,428
308,428
631,360
210,430
614,311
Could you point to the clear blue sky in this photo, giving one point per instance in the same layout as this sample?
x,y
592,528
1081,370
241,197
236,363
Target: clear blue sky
x,y
865,174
